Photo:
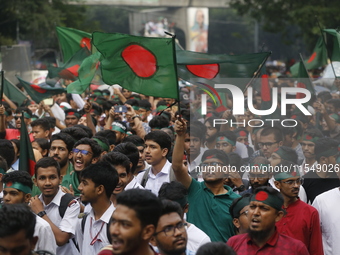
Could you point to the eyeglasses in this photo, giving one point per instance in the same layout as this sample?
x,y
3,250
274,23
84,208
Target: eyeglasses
x,y
260,177
245,213
291,182
211,164
83,152
170,230
261,145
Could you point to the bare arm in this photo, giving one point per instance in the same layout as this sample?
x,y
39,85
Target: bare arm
x,y
181,172
10,103
110,118
89,122
120,95
135,122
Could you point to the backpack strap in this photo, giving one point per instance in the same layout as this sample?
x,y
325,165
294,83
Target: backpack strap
x,y
83,217
145,177
172,176
64,203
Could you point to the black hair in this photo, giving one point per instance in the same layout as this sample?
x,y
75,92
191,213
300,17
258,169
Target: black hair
x,y
16,217
69,97
102,173
314,132
103,140
131,151
211,122
169,206
291,153
173,191
43,123
235,160
107,105
17,143
86,129
43,143
95,147
273,130
159,122
108,134
45,163
97,108
117,158
22,177
76,132
159,137
335,102
146,205
132,102
235,202
324,96
135,139
52,121
7,151
66,138
144,103
215,248
324,144
3,164
23,109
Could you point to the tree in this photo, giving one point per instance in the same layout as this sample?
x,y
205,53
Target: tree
x,y
278,15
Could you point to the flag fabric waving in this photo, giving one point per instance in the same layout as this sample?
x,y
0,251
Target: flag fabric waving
x,y
144,65
212,69
69,70
72,40
86,72
333,44
26,158
41,91
13,93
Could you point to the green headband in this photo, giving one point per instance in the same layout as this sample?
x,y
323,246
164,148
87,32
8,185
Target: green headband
x,y
283,154
335,117
161,108
268,199
26,115
2,171
183,201
118,127
136,108
18,186
244,201
225,139
328,153
145,108
101,144
310,138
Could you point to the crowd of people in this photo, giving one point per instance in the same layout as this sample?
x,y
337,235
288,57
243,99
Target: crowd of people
x,y
119,172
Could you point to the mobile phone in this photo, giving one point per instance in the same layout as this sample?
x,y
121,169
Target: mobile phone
x,y
120,108
48,101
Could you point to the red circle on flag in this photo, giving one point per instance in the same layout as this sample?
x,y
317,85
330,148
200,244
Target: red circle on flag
x,y
208,71
85,42
261,196
312,57
142,62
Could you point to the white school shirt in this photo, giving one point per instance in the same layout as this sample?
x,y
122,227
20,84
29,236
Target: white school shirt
x,y
196,238
155,181
133,184
46,239
67,224
92,228
328,206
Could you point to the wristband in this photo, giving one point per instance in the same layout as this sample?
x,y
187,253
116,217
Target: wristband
x,y
136,116
41,214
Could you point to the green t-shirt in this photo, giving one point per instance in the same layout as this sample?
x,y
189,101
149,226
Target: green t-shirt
x,y
210,212
71,178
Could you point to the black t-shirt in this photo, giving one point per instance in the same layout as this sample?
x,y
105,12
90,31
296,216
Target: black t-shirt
x,y
314,185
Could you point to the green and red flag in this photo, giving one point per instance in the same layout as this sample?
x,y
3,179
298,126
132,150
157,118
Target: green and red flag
x,y
86,72
72,40
333,44
13,93
316,60
145,65
212,69
26,158
41,91
69,70
304,81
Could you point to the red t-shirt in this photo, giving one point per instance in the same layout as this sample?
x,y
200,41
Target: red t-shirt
x,y
277,244
12,133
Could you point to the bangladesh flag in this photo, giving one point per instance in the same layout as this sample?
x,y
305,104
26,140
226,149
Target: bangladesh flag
x,y
316,60
69,70
86,71
26,158
13,93
305,82
72,40
146,65
41,91
333,44
211,69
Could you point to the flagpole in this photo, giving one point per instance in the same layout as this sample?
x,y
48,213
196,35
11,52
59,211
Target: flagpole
x,y
324,41
2,85
173,36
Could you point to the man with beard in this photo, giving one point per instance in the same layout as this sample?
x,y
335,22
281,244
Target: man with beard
x,y
211,133
301,220
133,223
308,146
265,209
210,200
258,174
96,186
85,152
171,235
